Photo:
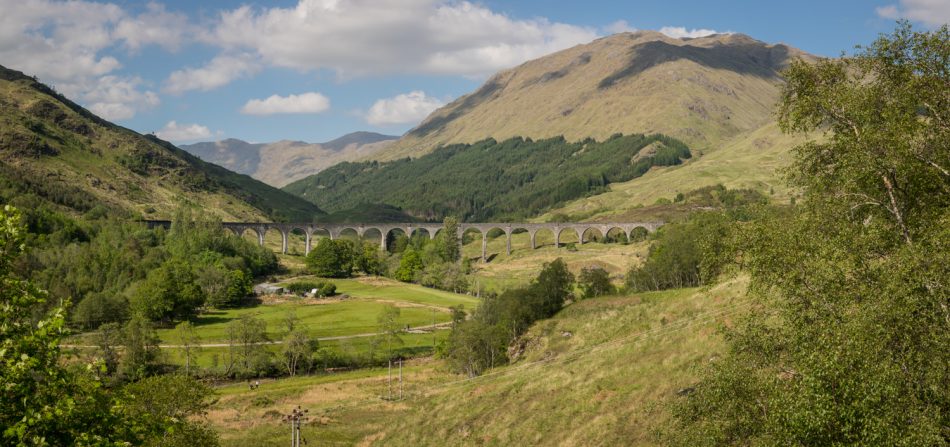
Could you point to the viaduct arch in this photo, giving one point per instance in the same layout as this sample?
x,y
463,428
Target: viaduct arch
x,y
335,230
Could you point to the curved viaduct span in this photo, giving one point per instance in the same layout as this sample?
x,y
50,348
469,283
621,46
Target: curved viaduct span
x,y
336,230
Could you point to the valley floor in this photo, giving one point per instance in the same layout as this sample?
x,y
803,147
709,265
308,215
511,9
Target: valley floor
x,y
598,373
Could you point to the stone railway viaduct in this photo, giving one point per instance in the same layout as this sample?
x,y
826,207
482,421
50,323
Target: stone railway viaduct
x,y
334,231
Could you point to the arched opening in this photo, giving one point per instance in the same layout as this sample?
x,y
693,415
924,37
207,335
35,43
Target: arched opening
x,y
520,239
616,235
419,237
497,243
350,234
396,240
472,243
593,235
373,235
639,234
297,242
317,235
273,240
543,237
251,235
568,236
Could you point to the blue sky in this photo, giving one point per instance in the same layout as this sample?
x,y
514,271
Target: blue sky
x,y
313,70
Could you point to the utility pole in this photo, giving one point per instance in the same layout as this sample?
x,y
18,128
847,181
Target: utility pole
x,y
400,379
294,418
433,330
390,379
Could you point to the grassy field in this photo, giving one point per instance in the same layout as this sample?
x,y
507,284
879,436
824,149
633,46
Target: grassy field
x,y
334,317
598,373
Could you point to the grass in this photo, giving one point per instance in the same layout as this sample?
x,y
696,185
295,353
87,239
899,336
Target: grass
x,y
523,264
598,373
332,317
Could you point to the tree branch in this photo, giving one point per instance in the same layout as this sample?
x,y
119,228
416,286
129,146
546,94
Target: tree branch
x,y
895,210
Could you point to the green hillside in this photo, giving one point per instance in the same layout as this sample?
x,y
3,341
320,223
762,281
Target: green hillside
x,y
55,152
491,180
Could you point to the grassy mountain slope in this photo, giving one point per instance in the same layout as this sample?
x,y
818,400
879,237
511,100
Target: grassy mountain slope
x,y
702,91
752,160
283,162
54,151
492,180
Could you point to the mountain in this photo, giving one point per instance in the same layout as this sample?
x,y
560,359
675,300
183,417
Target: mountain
x,y
490,180
715,94
283,162
54,152
702,91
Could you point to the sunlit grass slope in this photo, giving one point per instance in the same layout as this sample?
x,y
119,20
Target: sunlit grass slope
x,y
598,373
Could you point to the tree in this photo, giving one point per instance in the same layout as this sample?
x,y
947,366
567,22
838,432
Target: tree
x,y
246,337
298,347
409,265
332,258
448,244
389,328
552,287
140,343
44,401
162,410
851,345
190,343
370,259
595,281
108,339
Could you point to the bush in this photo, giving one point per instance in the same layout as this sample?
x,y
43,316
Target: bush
x,y
332,258
323,288
595,281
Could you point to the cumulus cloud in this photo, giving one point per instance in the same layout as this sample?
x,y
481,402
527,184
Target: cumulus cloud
x,y
116,98
218,72
407,108
155,26
183,132
932,13
679,32
64,44
360,37
310,102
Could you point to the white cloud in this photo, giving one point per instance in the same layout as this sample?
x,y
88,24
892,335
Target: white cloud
x,y
155,26
932,13
115,98
63,43
310,102
620,26
407,108
360,37
183,132
679,32
218,72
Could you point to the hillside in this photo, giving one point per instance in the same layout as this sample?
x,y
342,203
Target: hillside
x,y
56,152
702,91
491,180
598,373
283,162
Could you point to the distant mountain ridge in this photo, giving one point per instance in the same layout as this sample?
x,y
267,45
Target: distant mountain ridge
x,y
56,153
285,161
